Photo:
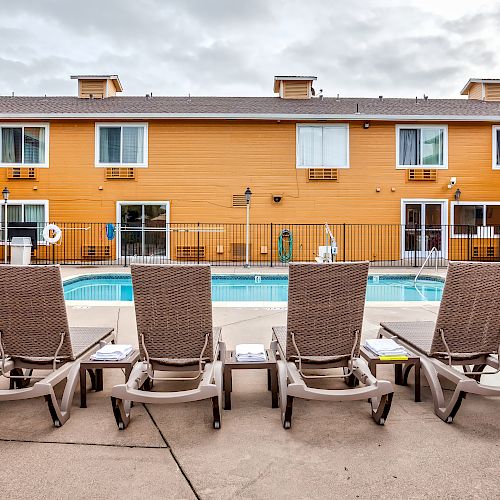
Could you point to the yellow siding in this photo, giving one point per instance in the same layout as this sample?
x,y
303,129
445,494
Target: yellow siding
x,y
476,91
198,166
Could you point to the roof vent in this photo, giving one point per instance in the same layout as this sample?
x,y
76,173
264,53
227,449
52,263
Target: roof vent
x,y
482,89
294,87
97,86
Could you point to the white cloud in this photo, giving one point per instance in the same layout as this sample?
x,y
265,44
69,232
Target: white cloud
x,y
226,47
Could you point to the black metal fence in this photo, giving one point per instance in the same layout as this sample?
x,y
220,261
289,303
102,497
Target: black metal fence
x,y
220,244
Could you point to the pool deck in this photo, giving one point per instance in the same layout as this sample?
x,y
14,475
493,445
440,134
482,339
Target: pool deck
x,y
332,451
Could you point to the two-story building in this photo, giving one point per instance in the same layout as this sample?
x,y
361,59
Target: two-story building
x,y
143,163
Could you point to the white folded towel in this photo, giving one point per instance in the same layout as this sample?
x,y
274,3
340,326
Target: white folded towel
x,y
112,352
249,353
385,347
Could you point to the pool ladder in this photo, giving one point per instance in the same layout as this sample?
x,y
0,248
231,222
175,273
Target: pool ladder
x,y
433,249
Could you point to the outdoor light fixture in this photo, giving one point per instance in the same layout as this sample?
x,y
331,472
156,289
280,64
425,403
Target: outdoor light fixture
x,y
248,196
366,125
5,194
458,193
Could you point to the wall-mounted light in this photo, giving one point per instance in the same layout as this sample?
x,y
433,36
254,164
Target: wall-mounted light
x,y
393,189
100,188
377,189
366,125
458,193
277,198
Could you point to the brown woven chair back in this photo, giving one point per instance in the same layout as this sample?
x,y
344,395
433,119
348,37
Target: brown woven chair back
x,y
469,312
33,313
325,308
173,307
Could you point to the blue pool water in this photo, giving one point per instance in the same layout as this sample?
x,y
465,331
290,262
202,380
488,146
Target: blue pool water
x,y
248,288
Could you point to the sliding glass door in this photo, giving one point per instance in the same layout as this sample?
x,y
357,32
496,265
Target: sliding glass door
x,y
424,227
143,229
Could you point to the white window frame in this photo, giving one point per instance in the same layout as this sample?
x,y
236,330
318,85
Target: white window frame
x,y
45,203
474,204
98,126
324,125
119,232
444,166
24,125
494,164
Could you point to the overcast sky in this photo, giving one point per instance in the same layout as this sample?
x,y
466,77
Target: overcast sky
x,y
358,48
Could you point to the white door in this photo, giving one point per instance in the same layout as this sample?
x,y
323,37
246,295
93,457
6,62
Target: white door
x,y
143,229
424,228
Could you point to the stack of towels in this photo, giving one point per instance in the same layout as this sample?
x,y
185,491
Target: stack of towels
x,y
385,348
112,352
249,353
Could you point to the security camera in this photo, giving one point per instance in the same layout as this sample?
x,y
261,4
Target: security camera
x,y
277,198
453,181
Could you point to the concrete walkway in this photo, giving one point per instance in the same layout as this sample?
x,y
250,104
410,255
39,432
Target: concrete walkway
x,y
332,450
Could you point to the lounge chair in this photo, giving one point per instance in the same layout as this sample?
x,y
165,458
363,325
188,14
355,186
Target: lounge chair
x,y
173,307
466,334
325,316
34,335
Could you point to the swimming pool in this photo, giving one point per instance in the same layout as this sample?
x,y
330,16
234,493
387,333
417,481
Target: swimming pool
x,y
254,288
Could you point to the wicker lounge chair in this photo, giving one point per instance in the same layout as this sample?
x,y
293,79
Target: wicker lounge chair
x,y
466,334
325,316
173,306
34,335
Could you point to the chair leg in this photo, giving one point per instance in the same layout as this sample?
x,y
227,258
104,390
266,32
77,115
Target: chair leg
x,y
380,413
286,414
216,411
121,417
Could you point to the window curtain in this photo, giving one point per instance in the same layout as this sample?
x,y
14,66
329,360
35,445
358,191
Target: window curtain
x,y
409,146
34,145
109,144
310,153
334,147
133,144
432,139
35,213
12,145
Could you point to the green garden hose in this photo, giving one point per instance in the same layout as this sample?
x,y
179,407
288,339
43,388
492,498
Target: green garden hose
x,y
285,245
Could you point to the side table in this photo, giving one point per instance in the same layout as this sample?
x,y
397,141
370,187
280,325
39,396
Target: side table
x,y
231,363
400,378
95,369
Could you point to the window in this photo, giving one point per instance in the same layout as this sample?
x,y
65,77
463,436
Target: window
x,y
496,148
324,146
121,144
422,145
476,219
24,145
25,211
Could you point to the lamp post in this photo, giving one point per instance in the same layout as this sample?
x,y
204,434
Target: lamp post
x,y
248,196
5,194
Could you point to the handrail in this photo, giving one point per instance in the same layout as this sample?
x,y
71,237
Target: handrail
x,y
433,249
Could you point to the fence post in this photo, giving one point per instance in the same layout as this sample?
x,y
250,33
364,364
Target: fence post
x,y
271,245
343,242
198,243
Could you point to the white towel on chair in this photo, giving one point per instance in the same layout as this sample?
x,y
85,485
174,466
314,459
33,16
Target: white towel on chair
x,y
249,353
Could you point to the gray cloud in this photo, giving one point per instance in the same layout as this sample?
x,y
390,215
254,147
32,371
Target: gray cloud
x,y
227,47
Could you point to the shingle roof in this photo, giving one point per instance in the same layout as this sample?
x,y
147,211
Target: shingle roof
x,y
251,107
